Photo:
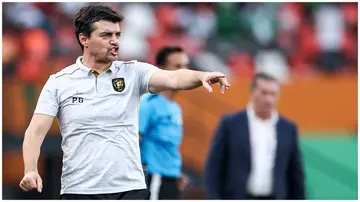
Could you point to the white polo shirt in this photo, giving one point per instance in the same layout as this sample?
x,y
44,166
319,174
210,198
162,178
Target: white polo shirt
x,y
98,120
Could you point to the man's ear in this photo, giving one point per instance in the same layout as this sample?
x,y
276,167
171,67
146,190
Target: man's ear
x,y
84,40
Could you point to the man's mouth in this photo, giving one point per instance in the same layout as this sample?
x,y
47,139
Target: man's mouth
x,y
114,51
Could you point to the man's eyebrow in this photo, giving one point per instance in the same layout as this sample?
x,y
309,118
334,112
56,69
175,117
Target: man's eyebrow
x,y
107,31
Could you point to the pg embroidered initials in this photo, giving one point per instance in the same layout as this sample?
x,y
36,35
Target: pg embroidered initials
x,y
77,100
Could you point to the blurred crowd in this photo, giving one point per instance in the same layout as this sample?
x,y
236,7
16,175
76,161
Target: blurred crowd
x,y
236,38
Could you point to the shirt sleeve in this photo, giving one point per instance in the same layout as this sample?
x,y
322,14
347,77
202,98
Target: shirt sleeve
x,y
144,116
145,71
48,100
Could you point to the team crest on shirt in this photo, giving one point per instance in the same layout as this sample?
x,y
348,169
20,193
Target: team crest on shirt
x,y
118,84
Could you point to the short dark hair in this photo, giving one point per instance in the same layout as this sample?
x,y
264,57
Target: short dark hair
x,y
162,55
261,75
88,15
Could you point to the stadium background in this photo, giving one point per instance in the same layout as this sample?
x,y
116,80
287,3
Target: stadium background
x,y
310,47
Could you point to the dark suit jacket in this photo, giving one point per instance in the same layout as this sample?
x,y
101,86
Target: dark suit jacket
x,y
228,164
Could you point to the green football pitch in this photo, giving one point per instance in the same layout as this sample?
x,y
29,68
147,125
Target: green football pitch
x,y
330,166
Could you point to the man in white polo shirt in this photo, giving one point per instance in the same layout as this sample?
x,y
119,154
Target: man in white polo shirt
x,y
96,102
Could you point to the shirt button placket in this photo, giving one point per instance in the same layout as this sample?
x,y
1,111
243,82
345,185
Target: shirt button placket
x,y
101,80
99,84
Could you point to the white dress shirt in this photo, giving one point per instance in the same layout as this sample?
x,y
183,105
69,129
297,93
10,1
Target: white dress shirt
x,y
263,143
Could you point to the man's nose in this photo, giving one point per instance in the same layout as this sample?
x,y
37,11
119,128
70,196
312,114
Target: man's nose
x,y
114,42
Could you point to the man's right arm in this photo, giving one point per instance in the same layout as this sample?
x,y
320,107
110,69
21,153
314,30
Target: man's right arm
x,y
46,109
214,166
34,137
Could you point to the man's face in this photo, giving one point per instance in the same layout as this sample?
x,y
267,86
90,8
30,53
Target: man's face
x,y
103,42
265,95
175,61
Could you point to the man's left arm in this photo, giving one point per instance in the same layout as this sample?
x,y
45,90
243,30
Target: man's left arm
x,y
296,171
185,79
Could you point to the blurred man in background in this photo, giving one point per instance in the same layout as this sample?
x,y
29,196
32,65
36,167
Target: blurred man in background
x,y
255,152
96,102
161,133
